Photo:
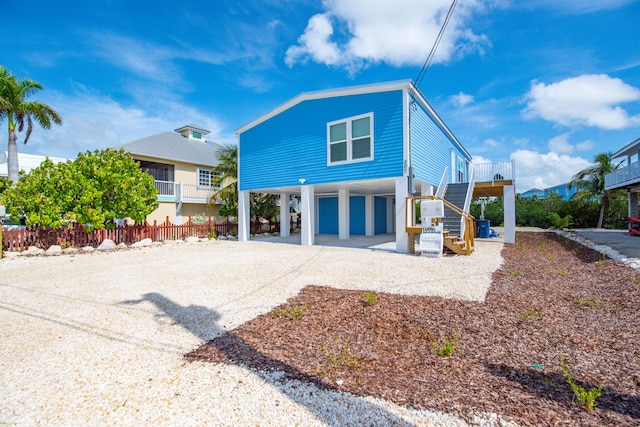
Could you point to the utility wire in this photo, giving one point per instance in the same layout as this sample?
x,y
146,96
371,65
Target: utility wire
x,y
427,63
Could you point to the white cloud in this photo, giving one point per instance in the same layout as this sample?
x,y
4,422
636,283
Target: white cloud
x,y
560,144
398,33
461,99
478,160
490,142
315,43
590,100
538,170
585,145
578,6
91,122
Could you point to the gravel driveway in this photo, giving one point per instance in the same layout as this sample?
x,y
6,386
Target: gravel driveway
x,y
98,339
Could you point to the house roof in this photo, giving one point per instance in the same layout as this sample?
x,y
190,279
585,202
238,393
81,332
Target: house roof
x,y
175,147
628,150
406,84
26,162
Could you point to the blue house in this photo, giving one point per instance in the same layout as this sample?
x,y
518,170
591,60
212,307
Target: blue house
x,y
352,155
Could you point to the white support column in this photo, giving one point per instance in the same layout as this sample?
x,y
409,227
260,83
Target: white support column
x,y
307,210
285,214
633,204
402,237
343,214
509,209
369,216
244,215
390,215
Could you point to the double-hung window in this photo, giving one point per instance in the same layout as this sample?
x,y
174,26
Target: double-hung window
x,y
350,140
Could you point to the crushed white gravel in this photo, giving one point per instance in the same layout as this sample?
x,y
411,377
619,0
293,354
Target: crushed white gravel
x,y
99,338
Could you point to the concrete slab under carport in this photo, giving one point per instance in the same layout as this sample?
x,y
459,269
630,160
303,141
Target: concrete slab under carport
x,y
379,242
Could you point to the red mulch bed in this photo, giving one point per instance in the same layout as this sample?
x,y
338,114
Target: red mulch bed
x,y
551,297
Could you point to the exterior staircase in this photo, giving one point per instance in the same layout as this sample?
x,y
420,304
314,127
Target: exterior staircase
x,y
456,195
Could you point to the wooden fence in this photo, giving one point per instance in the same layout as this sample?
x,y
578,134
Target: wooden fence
x,y
18,240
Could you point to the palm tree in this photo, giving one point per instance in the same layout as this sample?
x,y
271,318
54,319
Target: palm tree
x,y
226,179
18,110
590,183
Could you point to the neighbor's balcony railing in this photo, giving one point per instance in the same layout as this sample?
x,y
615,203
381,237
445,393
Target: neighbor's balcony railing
x,y
627,175
489,172
165,188
189,193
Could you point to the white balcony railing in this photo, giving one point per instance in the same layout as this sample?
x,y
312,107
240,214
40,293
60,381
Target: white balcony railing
x,y
165,188
189,193
490,172
623,176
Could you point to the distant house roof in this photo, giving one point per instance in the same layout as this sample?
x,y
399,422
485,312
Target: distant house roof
x,y
26,162
628,150
358,90
534,192
175,147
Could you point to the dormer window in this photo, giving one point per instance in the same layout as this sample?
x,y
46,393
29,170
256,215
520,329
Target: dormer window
x,y
194,132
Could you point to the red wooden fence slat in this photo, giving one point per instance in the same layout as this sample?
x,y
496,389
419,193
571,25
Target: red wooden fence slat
x,y
19,240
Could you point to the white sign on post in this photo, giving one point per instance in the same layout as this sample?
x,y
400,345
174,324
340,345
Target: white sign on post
x,y
431,241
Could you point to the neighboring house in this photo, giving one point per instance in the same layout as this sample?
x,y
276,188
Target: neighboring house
x,y
534,193
627,177
26,162
180,162
561,190
353,156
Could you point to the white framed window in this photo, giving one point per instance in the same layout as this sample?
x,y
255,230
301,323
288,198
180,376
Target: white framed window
x,y
205,177
350,140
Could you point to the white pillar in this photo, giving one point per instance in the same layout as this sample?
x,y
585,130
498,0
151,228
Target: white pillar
x,y
390,215
402,237
509,209
343,214
244,216
285,214
307,210
369,216
633,204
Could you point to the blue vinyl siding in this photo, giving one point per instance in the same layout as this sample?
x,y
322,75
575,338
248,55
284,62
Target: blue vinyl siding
x,y
356,215
293,144
380,215
328,215
431,148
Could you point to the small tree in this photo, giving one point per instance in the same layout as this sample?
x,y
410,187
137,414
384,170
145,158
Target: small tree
x,y
95,189
590,184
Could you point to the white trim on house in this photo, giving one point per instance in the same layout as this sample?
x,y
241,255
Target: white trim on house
x,y
330,93
349,140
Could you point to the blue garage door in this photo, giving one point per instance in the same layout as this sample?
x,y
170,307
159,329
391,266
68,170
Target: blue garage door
x,y
380,215
328,215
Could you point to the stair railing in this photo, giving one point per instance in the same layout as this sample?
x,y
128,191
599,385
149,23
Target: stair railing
x,y
442,185
467,200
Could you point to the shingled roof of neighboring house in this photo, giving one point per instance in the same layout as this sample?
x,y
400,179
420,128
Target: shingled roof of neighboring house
x,y
176,147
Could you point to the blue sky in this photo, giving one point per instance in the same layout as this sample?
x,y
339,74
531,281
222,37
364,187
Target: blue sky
x,y
546,83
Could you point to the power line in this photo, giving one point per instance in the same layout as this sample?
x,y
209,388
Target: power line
x,y
424,68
